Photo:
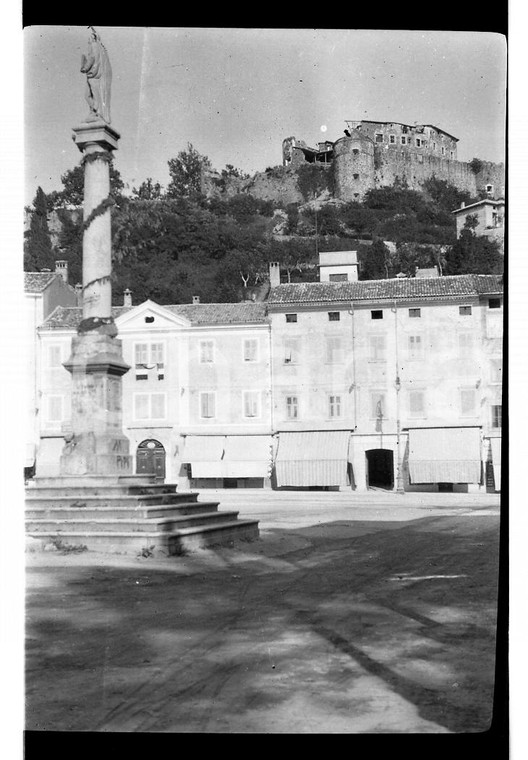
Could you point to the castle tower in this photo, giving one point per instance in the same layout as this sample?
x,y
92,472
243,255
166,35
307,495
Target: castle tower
x,y
353,166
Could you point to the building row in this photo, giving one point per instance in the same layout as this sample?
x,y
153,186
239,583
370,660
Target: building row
x,y
392,384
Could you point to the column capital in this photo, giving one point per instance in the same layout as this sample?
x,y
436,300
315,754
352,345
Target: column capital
x,y
97,132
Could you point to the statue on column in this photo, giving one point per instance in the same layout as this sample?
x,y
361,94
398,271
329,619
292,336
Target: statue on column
x,y
96,65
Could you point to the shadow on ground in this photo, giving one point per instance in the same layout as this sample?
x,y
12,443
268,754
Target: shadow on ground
x,y
349,628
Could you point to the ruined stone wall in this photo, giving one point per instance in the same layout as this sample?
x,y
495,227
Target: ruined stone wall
x,y
415,169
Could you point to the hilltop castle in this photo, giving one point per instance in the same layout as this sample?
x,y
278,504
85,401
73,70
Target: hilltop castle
x,y
373,154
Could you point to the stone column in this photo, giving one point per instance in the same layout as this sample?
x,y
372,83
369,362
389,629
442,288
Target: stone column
x,y
96,445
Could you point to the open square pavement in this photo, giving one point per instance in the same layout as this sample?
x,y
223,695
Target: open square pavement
x,y
354,613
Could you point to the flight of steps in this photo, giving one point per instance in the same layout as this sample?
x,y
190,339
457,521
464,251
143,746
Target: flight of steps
x,y
129,515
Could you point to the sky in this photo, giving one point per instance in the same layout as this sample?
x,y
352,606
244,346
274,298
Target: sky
x,y
235,94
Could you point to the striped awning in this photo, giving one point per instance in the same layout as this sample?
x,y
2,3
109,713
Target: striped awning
x,y
315,458
231,456
204,453
444,455
247,456
496,447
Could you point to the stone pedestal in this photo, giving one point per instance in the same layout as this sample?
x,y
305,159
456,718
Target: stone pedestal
x,y
97,445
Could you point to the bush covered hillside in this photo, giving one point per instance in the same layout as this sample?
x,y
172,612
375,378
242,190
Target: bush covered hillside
x,y
174,243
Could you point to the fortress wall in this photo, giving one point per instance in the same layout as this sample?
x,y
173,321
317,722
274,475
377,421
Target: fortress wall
x,y
415,169
353,167
492,174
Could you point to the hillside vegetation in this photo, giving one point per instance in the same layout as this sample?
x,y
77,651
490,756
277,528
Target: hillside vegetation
x,y
170,245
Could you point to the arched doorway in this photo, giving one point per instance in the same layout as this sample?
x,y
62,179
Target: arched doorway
x,y
380,468
150,458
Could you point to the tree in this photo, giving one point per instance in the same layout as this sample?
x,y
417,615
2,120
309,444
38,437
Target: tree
x,y
186,174
70,242
473,254
148,191
72,193
291,254
446,196
375,261
38,250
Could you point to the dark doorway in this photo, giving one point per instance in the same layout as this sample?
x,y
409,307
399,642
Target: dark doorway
x,y
380,468
150,458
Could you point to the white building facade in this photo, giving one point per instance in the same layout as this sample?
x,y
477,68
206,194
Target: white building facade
x,y
392,384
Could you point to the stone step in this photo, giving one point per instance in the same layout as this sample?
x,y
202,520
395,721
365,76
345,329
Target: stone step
x,y
58,527
109,500
80,490
162,543
37,511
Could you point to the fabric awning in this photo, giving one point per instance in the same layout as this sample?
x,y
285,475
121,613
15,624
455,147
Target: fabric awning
x,y
315,458
496,449
247,456
444,455
204,453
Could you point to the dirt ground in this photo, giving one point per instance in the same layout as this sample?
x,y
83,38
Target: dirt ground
x,y
349,615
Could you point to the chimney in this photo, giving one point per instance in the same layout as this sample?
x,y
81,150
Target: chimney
x,y
61,267
127,297
274,273
463,204
196,299
78,293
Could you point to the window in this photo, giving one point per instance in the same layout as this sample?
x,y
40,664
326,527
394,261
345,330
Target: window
x,y
376,314
464,311
334,316
291,350
334,406
443,150
415,313
292,407
494,303
489,188
149,356
149,406
356,176
207,405
467,402
377,348
291,317
392,139
418,142
338,277
403,140
379,137
377,405
55,356
451,154
206,351
334,351
250,350
355,152
434,146
415,344
55,410
141,354
496,416
416,404
496,370
251,404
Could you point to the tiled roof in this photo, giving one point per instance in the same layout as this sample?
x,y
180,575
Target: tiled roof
x,y
64,317
221,313
36,282
381,290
